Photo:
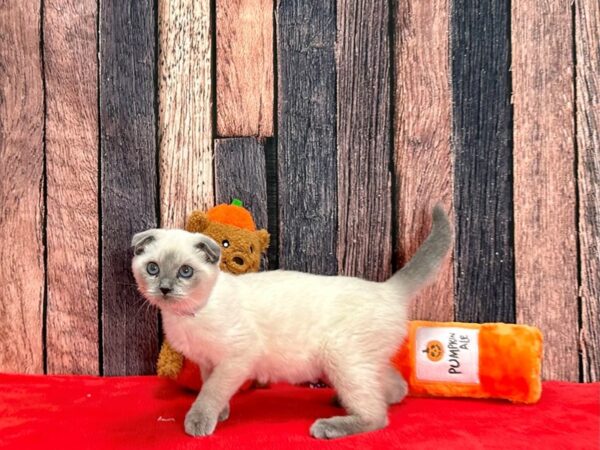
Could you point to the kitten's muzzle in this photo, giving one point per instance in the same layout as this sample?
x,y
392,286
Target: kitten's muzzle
x,y
165,290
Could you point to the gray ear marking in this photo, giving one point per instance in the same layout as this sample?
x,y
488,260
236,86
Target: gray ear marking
x,y
210,248
141,240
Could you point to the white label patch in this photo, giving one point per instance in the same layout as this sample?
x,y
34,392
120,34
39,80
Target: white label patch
x,y
447,354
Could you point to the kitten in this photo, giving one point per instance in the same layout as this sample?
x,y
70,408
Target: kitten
x,y
283,326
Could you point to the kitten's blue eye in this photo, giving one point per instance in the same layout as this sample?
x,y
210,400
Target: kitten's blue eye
x,y
152,268
185,271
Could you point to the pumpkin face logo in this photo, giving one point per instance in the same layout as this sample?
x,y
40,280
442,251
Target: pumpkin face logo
x,y
434,350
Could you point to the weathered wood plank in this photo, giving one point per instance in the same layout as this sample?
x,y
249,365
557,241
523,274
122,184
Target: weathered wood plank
x,y
240,172
481,134
185,109
587,35
545,244
422,155
71,71
21,188
306,147
244,67
363,139
129,197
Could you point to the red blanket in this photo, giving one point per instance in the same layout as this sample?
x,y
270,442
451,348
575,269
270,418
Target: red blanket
x,y
147,412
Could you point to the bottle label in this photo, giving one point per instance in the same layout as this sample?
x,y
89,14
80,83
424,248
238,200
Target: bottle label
x,y
447,354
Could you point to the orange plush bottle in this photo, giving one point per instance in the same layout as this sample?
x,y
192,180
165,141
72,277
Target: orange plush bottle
x,y
490,360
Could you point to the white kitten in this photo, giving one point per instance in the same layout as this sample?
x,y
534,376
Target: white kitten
x,y
283,326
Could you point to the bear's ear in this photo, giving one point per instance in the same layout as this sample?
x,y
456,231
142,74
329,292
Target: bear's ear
x,y
197,222
263,239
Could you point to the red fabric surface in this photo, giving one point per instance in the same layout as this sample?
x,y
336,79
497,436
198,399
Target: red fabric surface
x,y
147,412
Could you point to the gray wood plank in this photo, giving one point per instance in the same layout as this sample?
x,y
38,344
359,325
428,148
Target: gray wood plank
x,y
128,185
240,172
481,136
587,35
306,147
363,139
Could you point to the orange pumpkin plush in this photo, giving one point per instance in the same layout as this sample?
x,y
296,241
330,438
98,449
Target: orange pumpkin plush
x,y
242,246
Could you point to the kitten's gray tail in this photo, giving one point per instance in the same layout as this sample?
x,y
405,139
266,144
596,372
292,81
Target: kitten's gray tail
x,y
428,259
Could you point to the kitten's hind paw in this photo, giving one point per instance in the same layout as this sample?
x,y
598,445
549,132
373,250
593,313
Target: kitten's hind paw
x,y
200,423
224,414
340,426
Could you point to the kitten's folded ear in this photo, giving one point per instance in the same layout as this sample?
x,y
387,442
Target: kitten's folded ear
x,y
210,248
140,240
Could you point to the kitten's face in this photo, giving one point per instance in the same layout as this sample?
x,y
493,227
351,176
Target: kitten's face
x,y
175,270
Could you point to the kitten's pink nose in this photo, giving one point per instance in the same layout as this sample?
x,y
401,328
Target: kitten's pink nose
x,y
165,290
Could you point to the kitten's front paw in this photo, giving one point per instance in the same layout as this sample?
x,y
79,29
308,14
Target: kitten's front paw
x,y
199,422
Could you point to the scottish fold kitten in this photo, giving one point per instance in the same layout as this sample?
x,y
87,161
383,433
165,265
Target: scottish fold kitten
x,y
283,325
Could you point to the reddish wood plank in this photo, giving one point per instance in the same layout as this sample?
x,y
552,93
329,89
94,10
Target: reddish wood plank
x,y
244,67
21,188
587,34
422,124
185,109
544,195
363,139
71,70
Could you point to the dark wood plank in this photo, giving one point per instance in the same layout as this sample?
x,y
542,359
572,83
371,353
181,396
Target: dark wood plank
x,y
129,197
240,172
481,136
544,188
587,35
21,188
363,139
306,147
422,154
71,71
185,110
244,68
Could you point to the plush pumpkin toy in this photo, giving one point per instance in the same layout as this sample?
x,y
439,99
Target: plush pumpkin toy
x,y
242,246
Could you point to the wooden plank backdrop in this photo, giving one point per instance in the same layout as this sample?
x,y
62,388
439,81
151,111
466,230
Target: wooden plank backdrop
x,y
21,188
339,124
587,45
545,226
483,172
422,155
363,139
72,184
128,180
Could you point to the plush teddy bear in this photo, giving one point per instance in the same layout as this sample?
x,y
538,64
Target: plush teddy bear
x,y
242,246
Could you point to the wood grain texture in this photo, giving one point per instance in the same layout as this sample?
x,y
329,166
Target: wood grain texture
x,y
185,109
587,35
422,155
545,243
21,188
128,165
244,68
71,71
481,138
306,147
363,139
240,172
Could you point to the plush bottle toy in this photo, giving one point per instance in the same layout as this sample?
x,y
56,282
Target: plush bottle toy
x,y
490,360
